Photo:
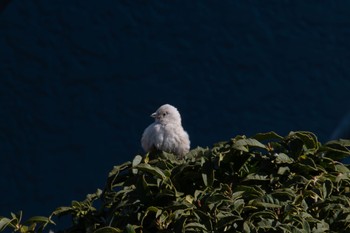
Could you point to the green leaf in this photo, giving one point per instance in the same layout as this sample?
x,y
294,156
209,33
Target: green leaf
x,y
321,227
62,211
195,226
342,177
342,142
117,169
256,177
266,224
306,226
296,146
283,170
267,214
283,158
207,172
156,210
137,160
153,170
17,217
251,142
108,230
257,203
327,188
197,152
246,226
227,219
309,139
307,165
284,194
237,195
24,229
335,150
4,222
339,167
267,136
130,228
38,219
251,191
94,196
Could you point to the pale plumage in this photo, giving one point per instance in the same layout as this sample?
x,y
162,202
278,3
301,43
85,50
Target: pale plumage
x,y
166,132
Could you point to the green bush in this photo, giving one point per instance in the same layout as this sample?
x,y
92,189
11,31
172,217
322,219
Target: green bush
x,y
266,183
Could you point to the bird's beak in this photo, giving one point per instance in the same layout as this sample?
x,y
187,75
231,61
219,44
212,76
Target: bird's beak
x,y
154,115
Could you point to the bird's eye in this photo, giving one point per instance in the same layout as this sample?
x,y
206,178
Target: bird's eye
x,y
165,113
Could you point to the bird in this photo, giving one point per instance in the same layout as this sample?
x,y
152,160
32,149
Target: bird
x,y
166,132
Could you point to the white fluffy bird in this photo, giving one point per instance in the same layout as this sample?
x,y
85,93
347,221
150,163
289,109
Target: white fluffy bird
x,y
166,133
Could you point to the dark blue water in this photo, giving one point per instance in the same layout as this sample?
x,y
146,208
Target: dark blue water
x,y
79,79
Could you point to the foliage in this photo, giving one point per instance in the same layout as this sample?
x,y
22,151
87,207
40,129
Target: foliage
x,y
34,224
266,183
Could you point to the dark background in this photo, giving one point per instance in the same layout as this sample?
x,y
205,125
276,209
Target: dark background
x,y
79,79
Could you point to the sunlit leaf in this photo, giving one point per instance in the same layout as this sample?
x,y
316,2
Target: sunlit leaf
x,y
283,170
137,160
4,222
283,158
256,177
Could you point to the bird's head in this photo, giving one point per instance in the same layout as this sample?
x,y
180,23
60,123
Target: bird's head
x,y
167,114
